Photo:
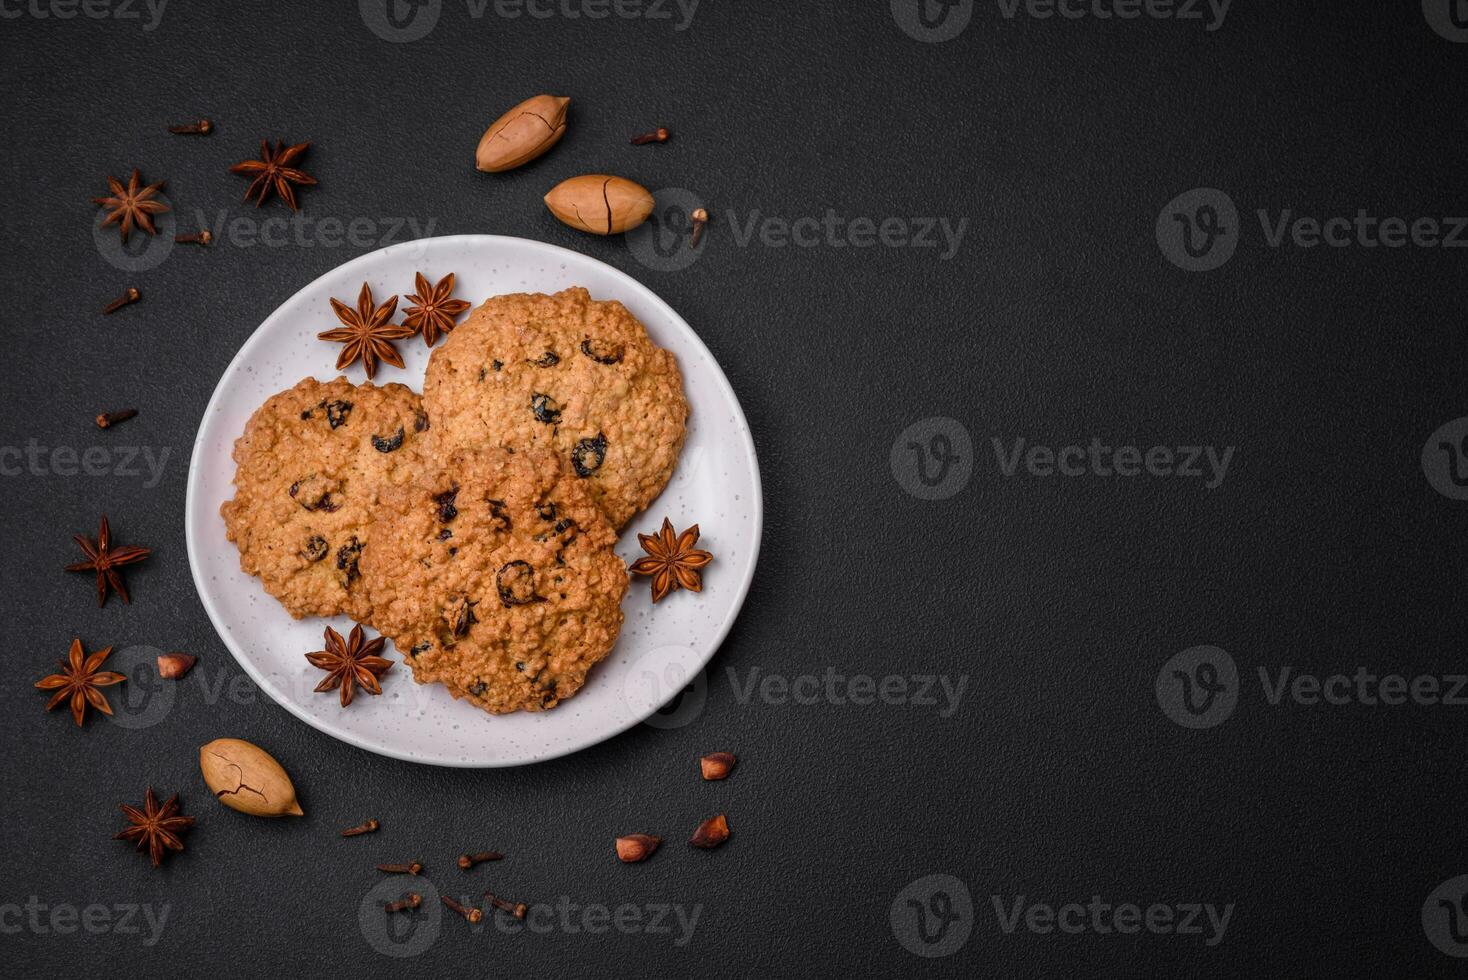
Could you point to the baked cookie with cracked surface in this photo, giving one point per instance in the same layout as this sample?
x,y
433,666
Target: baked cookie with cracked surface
x,y
494,575
309,467
569,373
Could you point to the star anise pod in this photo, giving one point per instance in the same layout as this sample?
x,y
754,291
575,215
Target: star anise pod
x,y
367,333
80,679
131,205
104,559
435,312
155,826
673,562
273,171
351,664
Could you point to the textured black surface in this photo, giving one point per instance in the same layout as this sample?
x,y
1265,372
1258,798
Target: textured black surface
x,y
1058,319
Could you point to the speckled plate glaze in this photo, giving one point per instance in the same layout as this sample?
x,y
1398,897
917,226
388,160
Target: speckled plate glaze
x,y
660,650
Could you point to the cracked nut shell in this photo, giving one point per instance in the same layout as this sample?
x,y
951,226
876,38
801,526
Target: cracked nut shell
x,y
172,666
636,847
246,778
600,204
711,833
522,134
716,765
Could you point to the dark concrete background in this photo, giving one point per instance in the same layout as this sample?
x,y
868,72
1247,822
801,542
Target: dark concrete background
x,y
1058,319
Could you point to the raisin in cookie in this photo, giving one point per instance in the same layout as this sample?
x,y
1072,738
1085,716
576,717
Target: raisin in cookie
x,y
567,373
309,468
495,576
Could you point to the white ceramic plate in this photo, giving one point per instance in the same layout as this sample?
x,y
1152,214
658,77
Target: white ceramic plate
x,y
660,650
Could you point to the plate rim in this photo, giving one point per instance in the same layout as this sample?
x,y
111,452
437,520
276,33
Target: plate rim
x,y
322,725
